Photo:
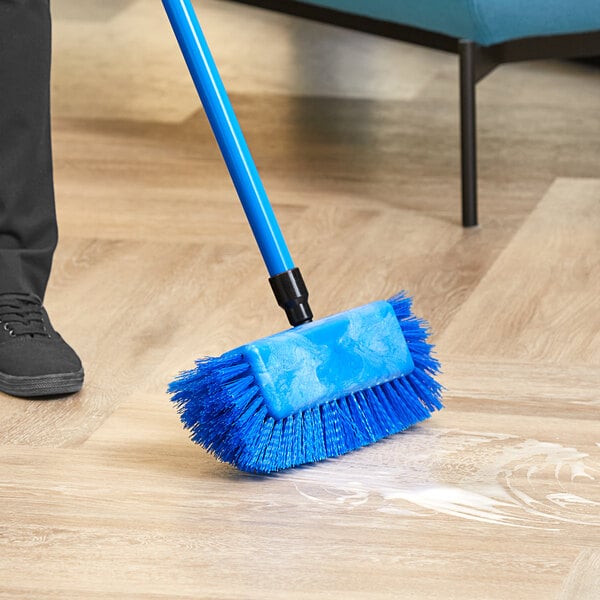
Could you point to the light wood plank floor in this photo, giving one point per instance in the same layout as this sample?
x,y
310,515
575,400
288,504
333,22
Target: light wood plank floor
x,y
102,495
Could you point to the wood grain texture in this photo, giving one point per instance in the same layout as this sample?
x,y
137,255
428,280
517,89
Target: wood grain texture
x,y
583,582
102,495
542,292
304,59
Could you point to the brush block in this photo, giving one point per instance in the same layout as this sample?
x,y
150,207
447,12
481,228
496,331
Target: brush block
x,y
328,359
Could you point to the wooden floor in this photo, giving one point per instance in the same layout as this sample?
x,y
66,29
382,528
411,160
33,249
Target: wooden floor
x,y
102,495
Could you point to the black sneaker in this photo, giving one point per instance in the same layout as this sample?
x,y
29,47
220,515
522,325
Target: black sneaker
x,y
34,359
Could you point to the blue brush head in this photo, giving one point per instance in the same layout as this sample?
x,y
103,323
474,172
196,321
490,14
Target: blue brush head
x,y
315,391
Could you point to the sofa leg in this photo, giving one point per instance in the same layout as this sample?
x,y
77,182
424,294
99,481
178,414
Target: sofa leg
x,y
468,131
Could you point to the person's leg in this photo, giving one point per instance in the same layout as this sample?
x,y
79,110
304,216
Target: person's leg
x,y
34,359
28,232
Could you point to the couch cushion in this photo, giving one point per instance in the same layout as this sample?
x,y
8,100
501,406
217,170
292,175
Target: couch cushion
x,y
484,21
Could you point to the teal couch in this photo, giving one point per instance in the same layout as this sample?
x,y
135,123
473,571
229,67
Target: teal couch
x,y
486,22
484,34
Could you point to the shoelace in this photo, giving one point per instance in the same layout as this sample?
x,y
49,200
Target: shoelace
x,y
21,314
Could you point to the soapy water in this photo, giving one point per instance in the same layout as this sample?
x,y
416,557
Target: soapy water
x,y
492,478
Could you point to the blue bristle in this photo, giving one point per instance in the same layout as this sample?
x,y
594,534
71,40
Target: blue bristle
x,y
221,405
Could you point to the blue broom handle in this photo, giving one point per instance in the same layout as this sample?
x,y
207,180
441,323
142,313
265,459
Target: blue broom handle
x,y
229,136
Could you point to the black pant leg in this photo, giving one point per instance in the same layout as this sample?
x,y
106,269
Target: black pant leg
x,y
28,231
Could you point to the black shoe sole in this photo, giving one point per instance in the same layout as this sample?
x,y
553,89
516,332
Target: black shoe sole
x,y
58,384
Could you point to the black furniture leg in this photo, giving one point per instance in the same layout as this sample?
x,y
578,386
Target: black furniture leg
x,y
468,131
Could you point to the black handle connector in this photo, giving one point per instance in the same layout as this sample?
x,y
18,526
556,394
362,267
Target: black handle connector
x,y
291,294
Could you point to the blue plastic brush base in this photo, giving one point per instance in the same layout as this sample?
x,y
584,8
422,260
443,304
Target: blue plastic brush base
x,y
328,359
224,409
